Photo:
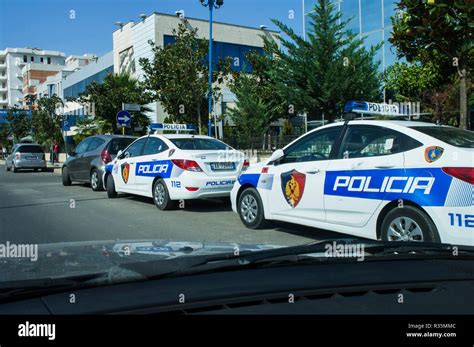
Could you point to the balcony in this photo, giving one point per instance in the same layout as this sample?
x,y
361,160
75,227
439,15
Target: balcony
x,y
3,101
3,77
3,89
3,66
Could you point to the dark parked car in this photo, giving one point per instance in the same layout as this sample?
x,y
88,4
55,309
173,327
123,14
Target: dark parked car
x,y
87,162
26,156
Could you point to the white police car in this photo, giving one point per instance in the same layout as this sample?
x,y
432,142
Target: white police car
x,y
389,180
174,167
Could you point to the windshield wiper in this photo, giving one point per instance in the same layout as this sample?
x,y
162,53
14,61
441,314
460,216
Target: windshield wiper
x,y
295,254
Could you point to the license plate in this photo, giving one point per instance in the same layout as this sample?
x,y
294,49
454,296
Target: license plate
x,y
31,158
223,166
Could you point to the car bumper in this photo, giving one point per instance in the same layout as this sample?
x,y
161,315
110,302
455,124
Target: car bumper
x,y
233,196
30,164
192,186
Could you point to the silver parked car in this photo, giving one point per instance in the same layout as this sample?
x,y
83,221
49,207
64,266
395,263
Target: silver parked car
x,y
26,156
87,163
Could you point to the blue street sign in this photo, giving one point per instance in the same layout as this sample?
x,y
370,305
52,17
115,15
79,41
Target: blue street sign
x,y
123,118
66,126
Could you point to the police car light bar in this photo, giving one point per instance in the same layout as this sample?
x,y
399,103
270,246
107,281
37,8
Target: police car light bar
x,y
173,127
373,108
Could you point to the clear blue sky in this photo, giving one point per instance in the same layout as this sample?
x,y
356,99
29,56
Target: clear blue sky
x,y
46,23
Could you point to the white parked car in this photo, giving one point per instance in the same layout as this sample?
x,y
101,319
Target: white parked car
x,y
388,180
169,168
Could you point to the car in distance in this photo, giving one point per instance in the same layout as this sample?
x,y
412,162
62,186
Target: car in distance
x,y
173,167
26,156
388,180
87,162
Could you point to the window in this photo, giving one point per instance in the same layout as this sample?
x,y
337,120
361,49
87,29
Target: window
x,y
119,144
25,59
49,60
313,147
154,146
371,14
82,147
42,59
30,149
453,136
32,59
371,141
199,144
95,143
135,149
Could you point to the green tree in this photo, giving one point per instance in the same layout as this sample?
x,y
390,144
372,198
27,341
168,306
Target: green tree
x,y
89,126
177,76
320,74
107,99
46,120
19,123
439,27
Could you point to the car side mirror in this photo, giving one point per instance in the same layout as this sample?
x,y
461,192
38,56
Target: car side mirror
x,y
277,155
119,154
72,154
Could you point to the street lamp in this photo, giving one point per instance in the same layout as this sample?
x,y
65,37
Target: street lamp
x,y
212,4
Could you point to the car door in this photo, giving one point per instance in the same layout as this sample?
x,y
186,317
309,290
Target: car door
x,y
74,164
298,178
84,162
369,167
150,163
124,178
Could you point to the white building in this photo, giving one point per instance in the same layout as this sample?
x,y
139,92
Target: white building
x,y
12,61
131,42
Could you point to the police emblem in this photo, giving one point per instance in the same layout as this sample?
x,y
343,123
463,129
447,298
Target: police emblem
x,y
292,185
125,172
433,153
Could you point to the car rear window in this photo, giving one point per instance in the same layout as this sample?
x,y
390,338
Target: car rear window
x,y
30,149
119,144
199,144
453,136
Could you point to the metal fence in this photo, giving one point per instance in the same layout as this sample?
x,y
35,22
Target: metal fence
x,y
264,144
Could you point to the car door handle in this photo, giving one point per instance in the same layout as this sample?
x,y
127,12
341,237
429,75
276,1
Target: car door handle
x,y
313,171
384,166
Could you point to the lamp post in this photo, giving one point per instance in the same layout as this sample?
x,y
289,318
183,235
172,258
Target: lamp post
x,y
212,4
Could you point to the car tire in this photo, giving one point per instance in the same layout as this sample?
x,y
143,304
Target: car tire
x,y
35,170
111,192
161,196
96,181
65,176
408,223
250,209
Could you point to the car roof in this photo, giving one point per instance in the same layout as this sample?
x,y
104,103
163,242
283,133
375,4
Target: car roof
x,y
114,136
183,136
28,144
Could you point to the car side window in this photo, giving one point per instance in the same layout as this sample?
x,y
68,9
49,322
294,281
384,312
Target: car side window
x,y
315,146
362,141
82,147
136,148
154,146
95,143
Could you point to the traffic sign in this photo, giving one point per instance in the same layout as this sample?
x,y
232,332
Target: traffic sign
x,y
132,107
66,126
123,118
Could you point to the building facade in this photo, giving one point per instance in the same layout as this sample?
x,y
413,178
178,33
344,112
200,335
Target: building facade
x,y
132,42
12,62
368,18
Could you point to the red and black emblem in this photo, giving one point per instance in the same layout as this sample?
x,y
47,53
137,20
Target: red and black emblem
x,y
292,185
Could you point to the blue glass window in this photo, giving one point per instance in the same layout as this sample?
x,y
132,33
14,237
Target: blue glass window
x,y
350,9
371,11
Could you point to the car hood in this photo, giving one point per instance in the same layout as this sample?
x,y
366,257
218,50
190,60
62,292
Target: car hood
x,y
82,258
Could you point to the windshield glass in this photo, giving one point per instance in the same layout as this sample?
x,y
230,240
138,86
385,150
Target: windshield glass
x,y
30,149
198,144
453,136
119,144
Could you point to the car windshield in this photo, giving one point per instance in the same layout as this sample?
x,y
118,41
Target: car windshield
x,y
119,144
30,149
453,136
307,132
199,144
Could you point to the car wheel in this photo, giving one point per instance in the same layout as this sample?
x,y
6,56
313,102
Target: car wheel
x,y
35,170
65,176
111,192
408,223
96,181
161,196
250,209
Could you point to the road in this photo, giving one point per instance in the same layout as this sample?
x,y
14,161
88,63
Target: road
x,y
36,208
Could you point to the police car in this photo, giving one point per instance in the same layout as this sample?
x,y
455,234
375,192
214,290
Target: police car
x,y
379,179
173,167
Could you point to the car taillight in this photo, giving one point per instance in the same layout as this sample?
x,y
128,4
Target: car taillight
x,y
105,156
17,156
246,164
465,174
189,165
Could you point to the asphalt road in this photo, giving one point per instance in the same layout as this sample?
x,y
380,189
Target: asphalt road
x,y
36,208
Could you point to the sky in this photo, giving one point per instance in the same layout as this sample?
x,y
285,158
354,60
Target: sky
x,y
86,26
